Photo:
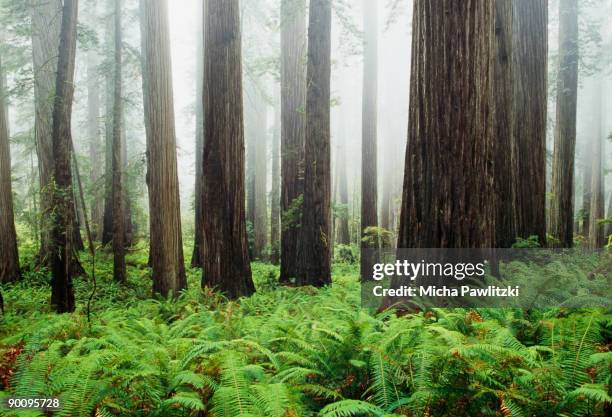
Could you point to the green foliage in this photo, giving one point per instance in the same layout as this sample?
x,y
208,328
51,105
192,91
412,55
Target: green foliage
x,y
530,242
296,352
346,254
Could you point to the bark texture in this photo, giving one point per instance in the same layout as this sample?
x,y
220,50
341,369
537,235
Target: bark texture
x,y
62,292
561,208
119,270
293,104
95,143
226,264
369,139
164,200
530,51
198,256
315,232
9,259
505,232
448,188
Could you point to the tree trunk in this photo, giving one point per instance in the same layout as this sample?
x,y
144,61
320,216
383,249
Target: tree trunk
x,y
107,229
505,233
46,21
95,144
164,204
608,231
586,187
342,226
530,52
260,225
62,292
315,268
197,257
561,210
597,212
448,192
9,259
275,194
119,270
293,104
226,264
369,154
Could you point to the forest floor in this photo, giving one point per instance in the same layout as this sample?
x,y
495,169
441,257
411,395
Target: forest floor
x,y
287,352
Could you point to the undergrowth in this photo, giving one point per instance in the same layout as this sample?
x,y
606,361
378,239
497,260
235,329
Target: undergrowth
x,y
288,352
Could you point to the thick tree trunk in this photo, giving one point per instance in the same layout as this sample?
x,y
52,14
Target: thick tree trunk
x,y
597,206
226,264
46,21
369,126
561,209
62,293
9,259
293,104
505,233
95,144
448,190
119,269
275,194
315,268
197,257
164,204
530,51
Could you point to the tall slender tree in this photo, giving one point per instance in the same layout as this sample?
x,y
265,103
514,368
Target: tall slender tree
x,y
448,196
119,269
197,256
369,141
62,292
164,200
530,51
597,205
260,225
275,192
9,259
293,104
226,264
315,268
561,208
342,226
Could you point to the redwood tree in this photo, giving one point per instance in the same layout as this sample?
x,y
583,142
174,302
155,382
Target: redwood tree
x,y
448,196
164,200
530,49
293,104
226,265
561,208
597,204
62,292
369,154
119,270
275,194
9,259
315,244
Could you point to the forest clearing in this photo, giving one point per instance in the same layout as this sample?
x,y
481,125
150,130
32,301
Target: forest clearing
x,y
222,208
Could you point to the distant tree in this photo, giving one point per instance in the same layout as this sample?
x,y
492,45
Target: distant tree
x,y
9,259
275,193
315,244
448,196
62,292
260,225
369,144
226,264
197,256
119,269
342,216
162,174
530,52
561,208
293,105
597,205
